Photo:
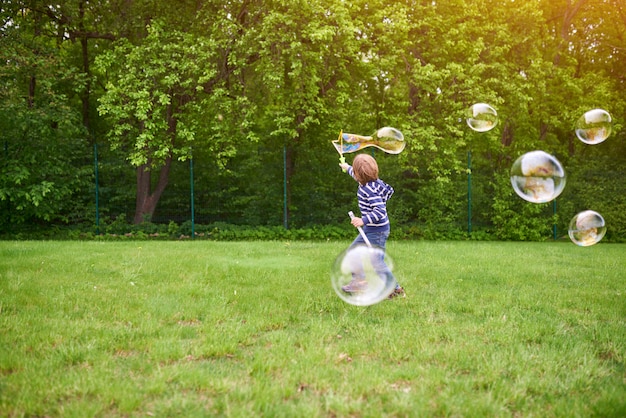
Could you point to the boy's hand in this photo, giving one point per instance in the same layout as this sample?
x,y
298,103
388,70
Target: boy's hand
x,y
357,222
344,166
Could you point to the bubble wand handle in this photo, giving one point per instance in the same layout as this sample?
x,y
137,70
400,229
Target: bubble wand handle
x,y
367,241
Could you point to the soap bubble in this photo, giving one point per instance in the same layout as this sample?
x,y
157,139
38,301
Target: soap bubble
x,y
537,177
587,228
362,275
594,126
481,117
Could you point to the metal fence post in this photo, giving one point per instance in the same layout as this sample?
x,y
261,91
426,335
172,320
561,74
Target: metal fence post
x,y
285,221
193,216
469,192
554,226
95,165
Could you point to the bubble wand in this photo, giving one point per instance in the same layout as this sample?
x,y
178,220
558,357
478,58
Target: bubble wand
x,y
342,159
367,241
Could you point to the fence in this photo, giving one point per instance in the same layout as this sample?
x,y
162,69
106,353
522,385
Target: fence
x,y
256,190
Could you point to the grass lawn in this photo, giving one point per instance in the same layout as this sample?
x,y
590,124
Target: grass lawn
x,y
255,329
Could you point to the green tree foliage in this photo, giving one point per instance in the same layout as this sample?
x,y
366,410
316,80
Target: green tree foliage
x,y
46,171
159,95
256,90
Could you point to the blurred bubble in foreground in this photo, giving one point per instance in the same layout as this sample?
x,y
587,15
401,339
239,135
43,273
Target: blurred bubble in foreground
x,y
362,275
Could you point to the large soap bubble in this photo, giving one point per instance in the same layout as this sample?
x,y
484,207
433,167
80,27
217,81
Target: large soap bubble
x,y
594,126
362,275
481,117
537,177
587,228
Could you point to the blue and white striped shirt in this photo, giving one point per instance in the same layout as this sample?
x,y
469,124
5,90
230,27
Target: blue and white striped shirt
x,y
372,198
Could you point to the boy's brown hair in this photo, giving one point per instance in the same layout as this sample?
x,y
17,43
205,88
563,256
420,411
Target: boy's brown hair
x,y
365,168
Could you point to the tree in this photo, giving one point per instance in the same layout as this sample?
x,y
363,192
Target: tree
x,y
238,83
159,96
307,59
45,168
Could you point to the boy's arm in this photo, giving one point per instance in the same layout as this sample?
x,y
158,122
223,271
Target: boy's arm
x,y
347,168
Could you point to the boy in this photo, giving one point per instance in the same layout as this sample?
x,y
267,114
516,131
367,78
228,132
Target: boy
x,y
372,195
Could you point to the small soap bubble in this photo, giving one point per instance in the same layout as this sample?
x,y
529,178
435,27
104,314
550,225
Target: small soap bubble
x,y
481,117
587,228
594,126
537,177
362,275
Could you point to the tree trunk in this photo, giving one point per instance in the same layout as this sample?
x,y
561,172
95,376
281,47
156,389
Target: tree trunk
x,y
507,135
569,14
86,70
146,200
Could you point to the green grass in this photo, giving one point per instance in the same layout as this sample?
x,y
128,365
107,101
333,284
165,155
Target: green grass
x,y
254,329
